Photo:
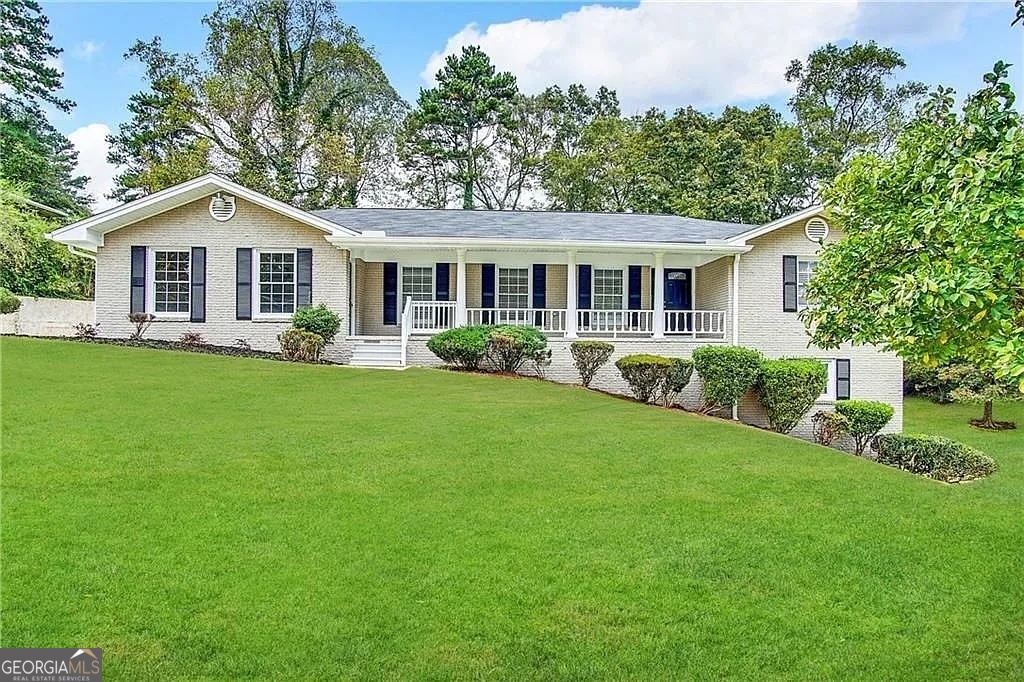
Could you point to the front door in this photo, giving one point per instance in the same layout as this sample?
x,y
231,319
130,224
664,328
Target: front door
x,y
678,296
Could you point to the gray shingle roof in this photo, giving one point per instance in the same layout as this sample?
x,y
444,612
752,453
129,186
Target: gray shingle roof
x,y
554,225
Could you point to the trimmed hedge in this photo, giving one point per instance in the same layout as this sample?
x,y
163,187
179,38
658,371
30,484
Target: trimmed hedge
x,y
788,389
509,346
9,303
299,345
320,320
645,374
462,347
935,457
866,417
506,347
590,356
676,380
727,373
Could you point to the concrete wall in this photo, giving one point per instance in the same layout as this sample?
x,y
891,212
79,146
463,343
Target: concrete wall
x,y
47,317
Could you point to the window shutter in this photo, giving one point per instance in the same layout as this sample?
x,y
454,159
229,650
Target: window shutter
x,y
540,278
487,285
243,284
197,300
789,284
303,278
390,293
635,287
583,287
842,379
442,282
137,301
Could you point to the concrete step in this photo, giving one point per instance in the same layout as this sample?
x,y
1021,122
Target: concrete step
x,y
383,354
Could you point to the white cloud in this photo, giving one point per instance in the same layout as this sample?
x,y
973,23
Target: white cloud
x,y
87,49
91,143
676,53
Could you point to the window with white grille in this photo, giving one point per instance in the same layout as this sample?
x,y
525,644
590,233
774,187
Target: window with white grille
x,y
277,282
513,287
171,281
417,282
607,289
804,270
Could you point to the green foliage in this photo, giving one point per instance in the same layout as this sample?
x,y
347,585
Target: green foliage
x,y
27,55
827,426
9,303
727,372
645,374
933,456
789,388
677,378
866,417
924,380
462,347
508,347
590,356
299,345
930,264
192,339
318,319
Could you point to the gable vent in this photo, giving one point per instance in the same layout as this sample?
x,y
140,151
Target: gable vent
x,y
816,229
222,207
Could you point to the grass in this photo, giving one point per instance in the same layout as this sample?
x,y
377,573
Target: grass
x,y
203,517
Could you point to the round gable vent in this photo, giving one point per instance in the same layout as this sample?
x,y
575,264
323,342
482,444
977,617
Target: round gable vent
x,y
816,229
222,207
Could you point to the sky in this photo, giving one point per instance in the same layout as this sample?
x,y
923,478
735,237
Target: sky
x,y
662,53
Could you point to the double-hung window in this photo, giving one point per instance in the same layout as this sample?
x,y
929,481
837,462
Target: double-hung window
x,y
513,288
172,271
830,383
804,270
275,276
607,289
417,282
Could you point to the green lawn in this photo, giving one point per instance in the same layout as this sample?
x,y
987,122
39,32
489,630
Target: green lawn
x,y
202,517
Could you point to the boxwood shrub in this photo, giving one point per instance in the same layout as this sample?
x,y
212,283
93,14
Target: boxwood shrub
x,y
462,347
932,456
9,303
645,374
299,345
727,373
509,346
788,389
676,379
590,356
866,417
319,319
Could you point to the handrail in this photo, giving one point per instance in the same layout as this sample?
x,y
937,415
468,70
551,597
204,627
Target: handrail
x,y
406,326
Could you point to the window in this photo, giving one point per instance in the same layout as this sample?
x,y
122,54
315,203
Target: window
x,y
417,282
171,281
607,289
513,287
804,270
276,282
830,383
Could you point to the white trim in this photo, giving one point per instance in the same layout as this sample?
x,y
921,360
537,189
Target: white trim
x,y
784,221
433,279
607,247
625,286
151,252
529,282
658,275
831,381
799,260
257,316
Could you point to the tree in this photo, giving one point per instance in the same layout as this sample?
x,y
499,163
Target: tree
x,y
969,384
846,101
456,124
1019,17
930,264
27,55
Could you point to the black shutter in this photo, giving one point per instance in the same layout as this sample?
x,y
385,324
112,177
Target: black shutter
x,y
198,298
842,379
789,284
487,285
303,278
390,293
243,284
635,287
583,287
540,280
442,291
137,302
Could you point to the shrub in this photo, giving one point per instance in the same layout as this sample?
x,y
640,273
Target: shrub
x,y
541,360
920,379
192,339
509,346
9,303
300,346
828,425
676,379
84,330
320,320
590,356
789,388
141,322
645,374
242,345
939,458
463,347
727,373
866,417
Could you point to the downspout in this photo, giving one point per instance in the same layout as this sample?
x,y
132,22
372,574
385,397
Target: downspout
x,y
735,315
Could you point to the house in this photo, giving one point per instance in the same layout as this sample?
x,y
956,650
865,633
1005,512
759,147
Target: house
x,y
213,257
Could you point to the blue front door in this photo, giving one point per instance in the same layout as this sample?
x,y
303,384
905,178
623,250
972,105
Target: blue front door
x,y
678,296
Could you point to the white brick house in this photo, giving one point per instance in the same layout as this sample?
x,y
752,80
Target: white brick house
x,y
212,257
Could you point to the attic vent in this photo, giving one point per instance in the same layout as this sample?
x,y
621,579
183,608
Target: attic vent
x,y
816,229
222,207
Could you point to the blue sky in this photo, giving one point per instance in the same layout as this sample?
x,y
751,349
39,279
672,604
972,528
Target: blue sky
x,y
665,54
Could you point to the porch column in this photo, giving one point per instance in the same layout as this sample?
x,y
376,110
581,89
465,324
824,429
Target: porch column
x,y
570,295
353,294
734,313
658,275
460,287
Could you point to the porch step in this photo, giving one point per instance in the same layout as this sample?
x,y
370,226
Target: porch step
x,y
377,354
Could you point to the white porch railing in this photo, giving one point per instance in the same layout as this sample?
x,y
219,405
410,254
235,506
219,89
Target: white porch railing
x,y
431,316
707,323
406,326
615,322
545,319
